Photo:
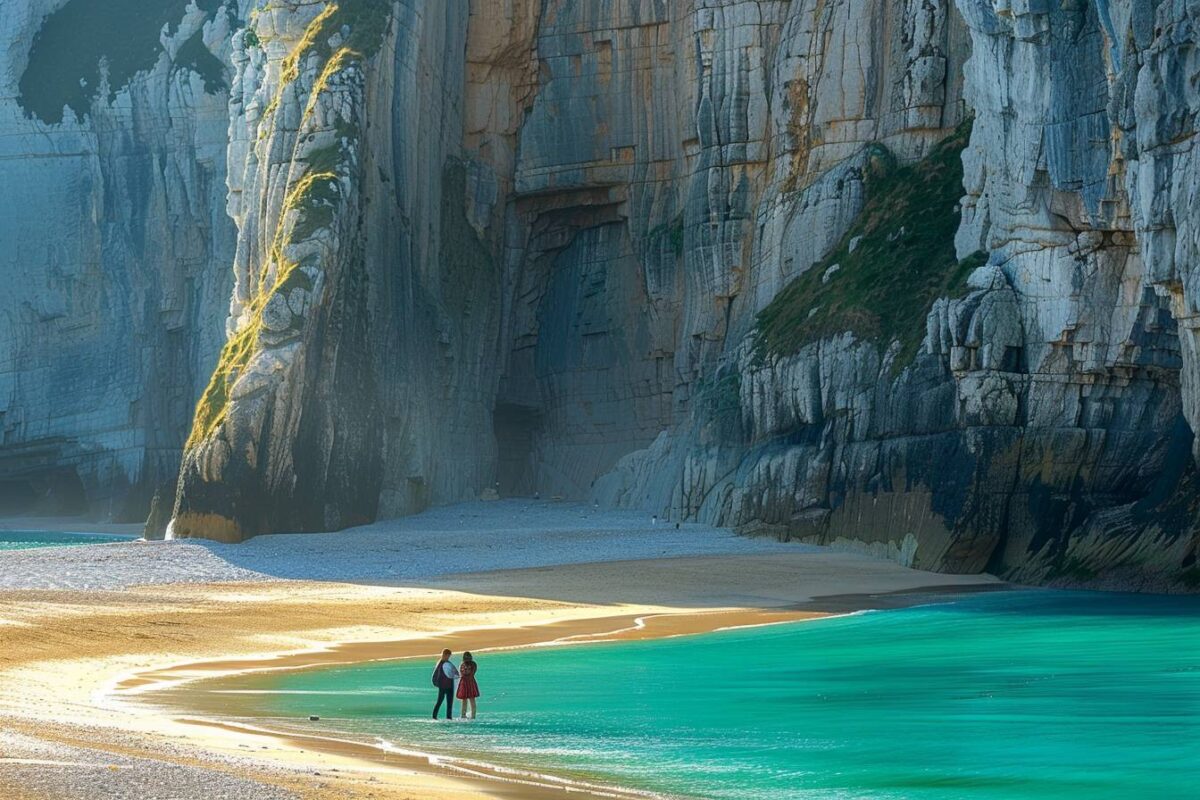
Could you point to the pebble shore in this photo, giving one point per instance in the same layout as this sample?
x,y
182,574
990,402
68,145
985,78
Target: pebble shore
x,y
472,537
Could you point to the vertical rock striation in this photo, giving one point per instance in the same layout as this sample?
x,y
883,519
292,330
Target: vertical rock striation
x,y
907,276
115,245
1041,430
359,370
681,162
560,241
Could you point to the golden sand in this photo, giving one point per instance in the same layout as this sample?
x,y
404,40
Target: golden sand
x,y
108,670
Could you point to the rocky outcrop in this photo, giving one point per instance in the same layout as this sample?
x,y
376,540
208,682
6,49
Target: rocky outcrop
x,y
114,246
1040,432
360,368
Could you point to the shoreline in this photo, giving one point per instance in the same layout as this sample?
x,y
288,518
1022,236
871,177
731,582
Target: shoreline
x,y
75,525
490,780
84,652
654,625
631,627
170,691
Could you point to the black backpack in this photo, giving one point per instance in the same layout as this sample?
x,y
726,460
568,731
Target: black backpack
x,y
437,674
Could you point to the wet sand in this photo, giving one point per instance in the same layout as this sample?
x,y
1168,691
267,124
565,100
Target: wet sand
x,y
108,672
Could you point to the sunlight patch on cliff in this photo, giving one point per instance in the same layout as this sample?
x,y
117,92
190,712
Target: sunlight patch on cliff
x,y
290,66
241,347
313,196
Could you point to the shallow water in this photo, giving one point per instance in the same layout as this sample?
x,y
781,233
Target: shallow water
x,y
25,540
1023,694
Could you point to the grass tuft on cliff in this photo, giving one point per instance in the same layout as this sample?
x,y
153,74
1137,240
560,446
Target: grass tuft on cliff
x,y
64,61
341,35
902,261
361,25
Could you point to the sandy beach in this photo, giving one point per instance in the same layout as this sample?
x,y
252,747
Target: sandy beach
x,y
94,668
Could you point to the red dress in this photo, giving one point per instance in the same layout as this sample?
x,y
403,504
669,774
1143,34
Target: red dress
x,y
467,687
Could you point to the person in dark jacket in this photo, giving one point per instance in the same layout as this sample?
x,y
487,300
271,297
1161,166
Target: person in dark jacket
x,y
444,675
468,689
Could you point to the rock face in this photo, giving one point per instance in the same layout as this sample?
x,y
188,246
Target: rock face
x,y
535,290
363,333
908,276
712,261
114,246
1043,430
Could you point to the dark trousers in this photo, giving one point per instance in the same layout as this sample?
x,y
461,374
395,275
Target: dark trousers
x,y
445,693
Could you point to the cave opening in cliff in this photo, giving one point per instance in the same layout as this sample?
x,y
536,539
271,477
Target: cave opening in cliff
x,y
16,497
57,493
516,428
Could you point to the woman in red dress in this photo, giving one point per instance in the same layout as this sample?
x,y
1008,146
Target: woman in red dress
x,y
468,689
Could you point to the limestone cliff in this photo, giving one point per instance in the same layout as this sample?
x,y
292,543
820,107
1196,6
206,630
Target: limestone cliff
x,y
361,361
885,274
910,276
1042,427
554,216
114,245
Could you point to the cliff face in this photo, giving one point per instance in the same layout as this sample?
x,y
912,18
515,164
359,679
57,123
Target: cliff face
x,y
714,259
1042,427
907,276
363,331
551,241
114,246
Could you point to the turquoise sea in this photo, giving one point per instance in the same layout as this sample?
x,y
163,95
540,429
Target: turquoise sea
x,y
25,540
1031,694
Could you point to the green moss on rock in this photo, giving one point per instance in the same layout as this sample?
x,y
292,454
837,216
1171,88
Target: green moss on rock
x,y
343,33
902,260
361,23
669,233
317,206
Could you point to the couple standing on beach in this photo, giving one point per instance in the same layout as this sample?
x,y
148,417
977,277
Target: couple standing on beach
x,y
444,676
